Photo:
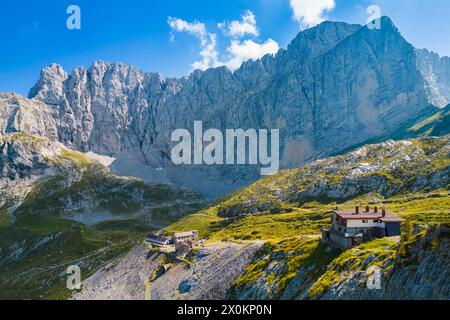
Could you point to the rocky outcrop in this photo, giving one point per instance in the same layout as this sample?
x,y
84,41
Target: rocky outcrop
x,y
55,180
335,86
18,114
415,269
144,274
24,162
123,279
420,271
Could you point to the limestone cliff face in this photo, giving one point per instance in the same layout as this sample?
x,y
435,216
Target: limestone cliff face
x,y
336,85
436,72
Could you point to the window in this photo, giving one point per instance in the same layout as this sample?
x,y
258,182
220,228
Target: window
x,y
365,221
375,221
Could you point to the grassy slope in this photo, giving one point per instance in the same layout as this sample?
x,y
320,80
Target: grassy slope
x,y
303,268
297,216
39,271
279,223
381,253
294,225
296,253
310,218
434,125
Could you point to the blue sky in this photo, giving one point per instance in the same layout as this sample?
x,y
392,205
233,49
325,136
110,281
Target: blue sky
x,y
34,33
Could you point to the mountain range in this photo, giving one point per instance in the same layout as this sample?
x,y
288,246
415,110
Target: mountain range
x,y
336,86
85,174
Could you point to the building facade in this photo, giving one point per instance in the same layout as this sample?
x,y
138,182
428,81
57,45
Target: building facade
x,y
183,237
352,228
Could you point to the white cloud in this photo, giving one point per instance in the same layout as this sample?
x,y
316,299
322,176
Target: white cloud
x,y
310,12
208,41
195,28
242,51
209,54
238,51
241,28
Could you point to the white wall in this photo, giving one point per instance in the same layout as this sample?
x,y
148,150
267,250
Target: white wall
x,y
360,224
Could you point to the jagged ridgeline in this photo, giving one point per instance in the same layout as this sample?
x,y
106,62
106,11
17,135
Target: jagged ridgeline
x,y
59,208
336,86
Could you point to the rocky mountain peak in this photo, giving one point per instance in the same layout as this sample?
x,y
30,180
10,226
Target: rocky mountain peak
x,y
50,88
387,23
317,40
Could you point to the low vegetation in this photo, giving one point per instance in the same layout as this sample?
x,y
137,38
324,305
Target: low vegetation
x,y
380,253
289,210
42,238
278,263
408,178
286,211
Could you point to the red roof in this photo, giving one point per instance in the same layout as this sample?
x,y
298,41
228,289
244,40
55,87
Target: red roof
x,y
371,215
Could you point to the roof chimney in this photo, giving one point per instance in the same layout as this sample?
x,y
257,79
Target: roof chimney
x,y
375,209
367,209
383,213
357,210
